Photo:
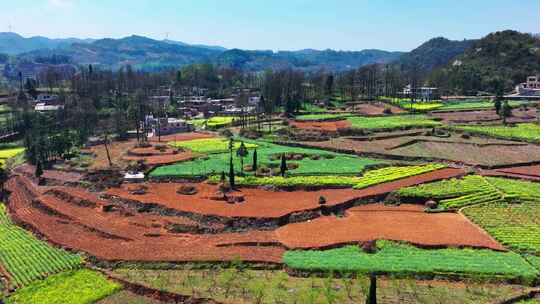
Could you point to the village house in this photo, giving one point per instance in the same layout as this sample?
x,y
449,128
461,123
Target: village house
x,y
168,125
529,88
424,93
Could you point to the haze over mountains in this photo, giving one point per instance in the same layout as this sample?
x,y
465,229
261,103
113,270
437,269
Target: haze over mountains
x,y
518,55
150,54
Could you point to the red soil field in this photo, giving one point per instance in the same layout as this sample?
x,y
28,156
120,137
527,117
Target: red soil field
x,y
376,109
262,203
87,229
375,222
118,151
77,219
533,171
322,125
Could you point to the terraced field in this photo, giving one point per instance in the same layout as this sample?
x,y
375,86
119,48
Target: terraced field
x,y
309,161
516,226
507,209
400,259
369,178
391,122
209,145
521,131
27,259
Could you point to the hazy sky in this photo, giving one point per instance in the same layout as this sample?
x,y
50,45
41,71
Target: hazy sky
x,y
273,24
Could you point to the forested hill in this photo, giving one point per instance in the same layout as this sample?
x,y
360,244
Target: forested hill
x,y
506,56
433,54
310,60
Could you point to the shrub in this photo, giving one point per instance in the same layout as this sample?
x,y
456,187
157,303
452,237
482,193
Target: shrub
x,y
187,190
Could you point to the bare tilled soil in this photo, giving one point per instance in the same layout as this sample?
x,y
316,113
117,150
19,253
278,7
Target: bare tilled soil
x,y
117,236
374,222
486,116
472,151
120,156
533,171
322,125
110,230
375,109
259,203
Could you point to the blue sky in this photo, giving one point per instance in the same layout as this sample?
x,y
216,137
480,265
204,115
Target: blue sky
x,y
399,25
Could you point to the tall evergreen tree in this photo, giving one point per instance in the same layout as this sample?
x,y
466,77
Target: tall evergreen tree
x,y
231,174
255,165
283,167
241,153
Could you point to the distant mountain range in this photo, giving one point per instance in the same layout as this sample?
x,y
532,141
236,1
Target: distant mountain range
x,y
508,54
149,54
14,44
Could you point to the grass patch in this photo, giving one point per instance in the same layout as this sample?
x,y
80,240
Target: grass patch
x,y
521,131
77,287
228,285
390,122
209,145
402,259
314,162
27,259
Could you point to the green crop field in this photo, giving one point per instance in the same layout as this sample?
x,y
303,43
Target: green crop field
x,y
311,108
418,105
516,226
534,260
209,145
27,259
402,259
369,178
322,116
313,162
522,131
450,104
524,189
324,180
216,121
389,174
472,190
11,152
75,287
446,188
389,122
